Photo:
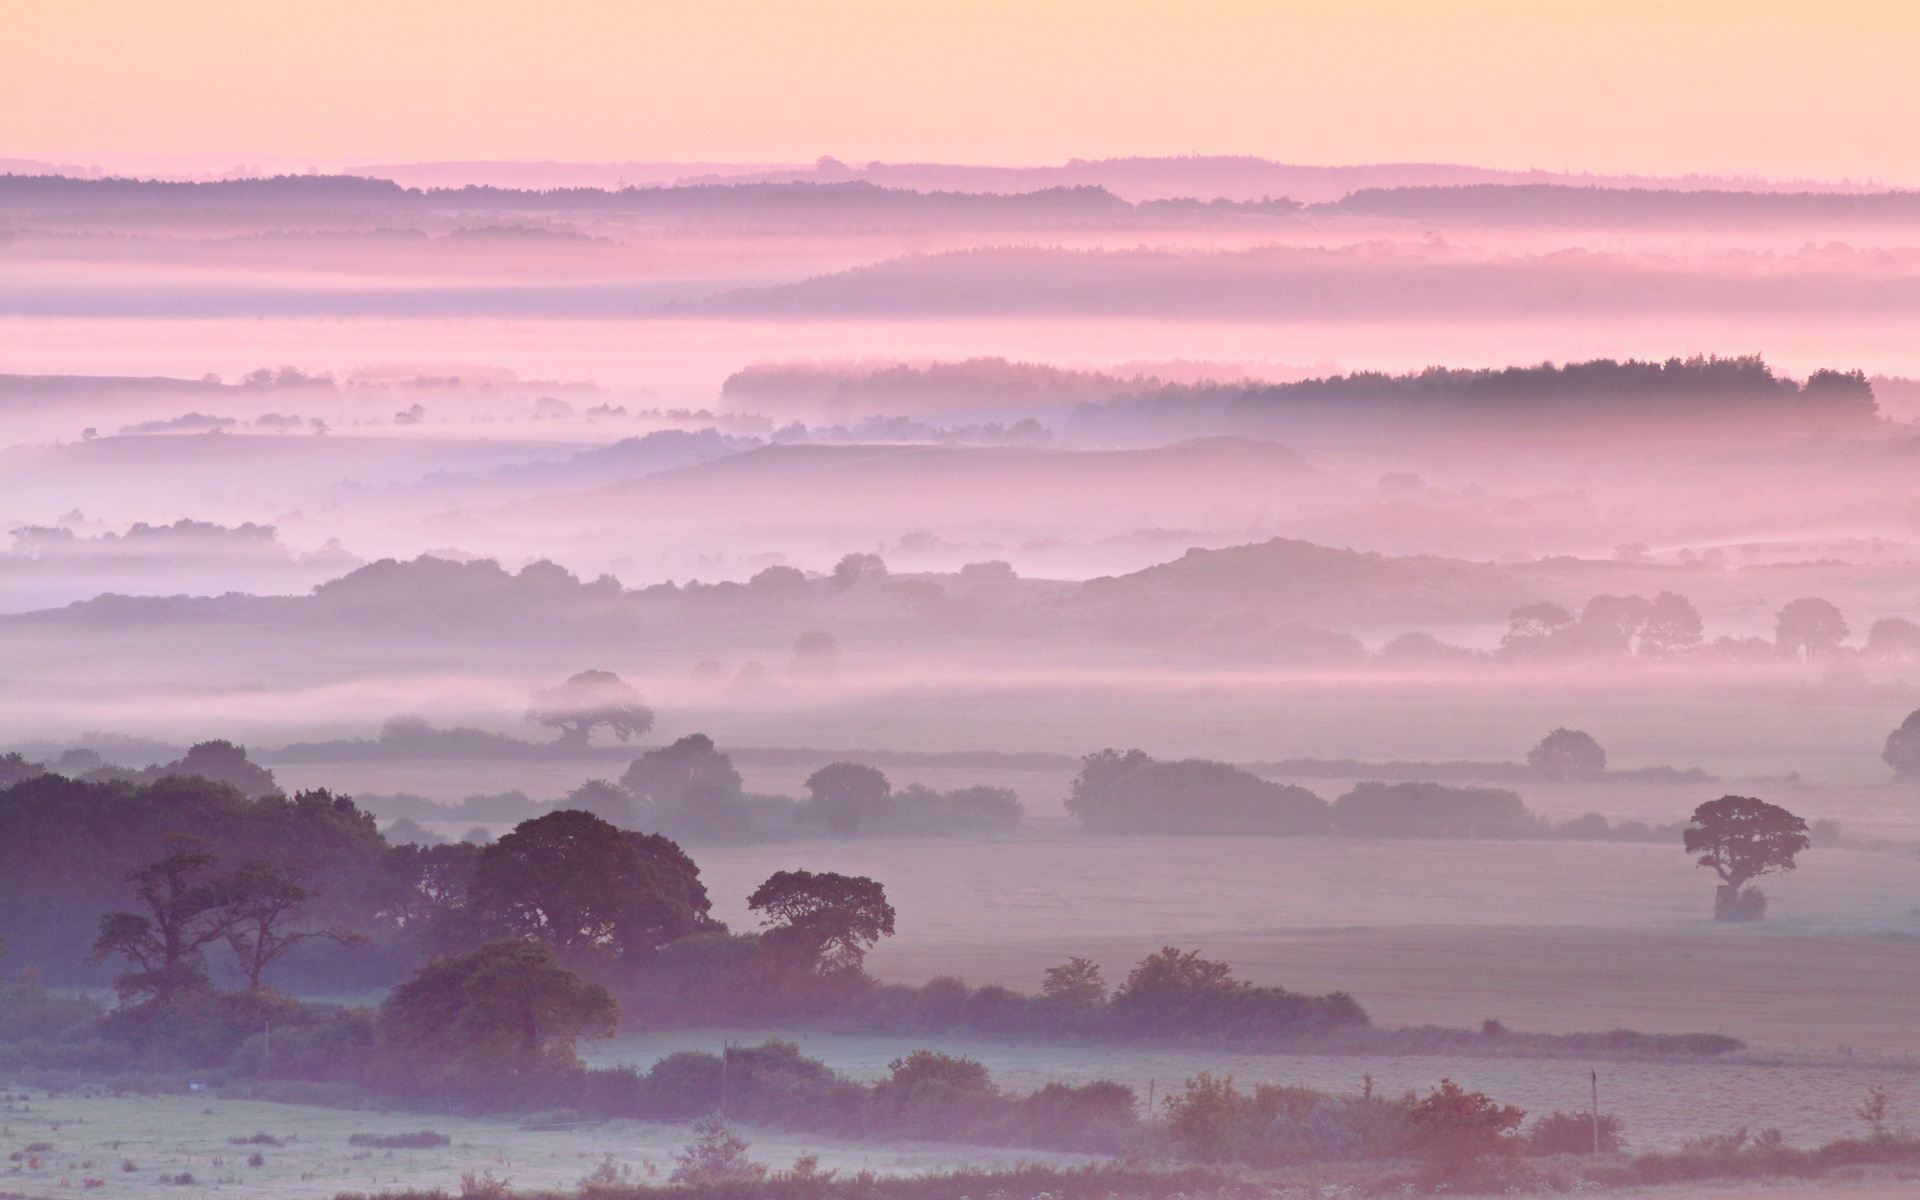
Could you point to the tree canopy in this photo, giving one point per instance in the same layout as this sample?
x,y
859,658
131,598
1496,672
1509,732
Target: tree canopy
x,y
1741,838
1568,754
1902,751
588,701
833,920
508,1008
591,890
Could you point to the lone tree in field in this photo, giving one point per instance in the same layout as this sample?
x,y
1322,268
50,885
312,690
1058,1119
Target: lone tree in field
x,y
1568,754
588,701
1741,839
1808,628
1903,748
829,920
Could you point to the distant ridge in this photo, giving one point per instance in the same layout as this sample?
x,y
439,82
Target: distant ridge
x,y
1508,204
1135,178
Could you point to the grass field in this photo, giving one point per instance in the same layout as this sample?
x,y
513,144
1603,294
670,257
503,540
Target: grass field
x,y
164,1137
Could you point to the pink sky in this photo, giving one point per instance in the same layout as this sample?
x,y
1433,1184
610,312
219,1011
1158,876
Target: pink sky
x,y
1776,87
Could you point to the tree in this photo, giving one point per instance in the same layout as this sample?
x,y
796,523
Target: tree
x,y
689,787
816,652
587,701
832,920
1742,838
851,794
1207,1118
1462,1135
508,1008
224,762
590,890
1840,397
1609,624
1567,754
1075,984
1672,627
1895,639
187,910
716,1155
1808,628
1903,748
1174,990
266,912
855,568
1535,630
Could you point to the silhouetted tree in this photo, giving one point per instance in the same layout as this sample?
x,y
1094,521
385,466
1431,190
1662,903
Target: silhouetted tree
x,y
1134,793
267,918
849,794
1075,984
857,568
1535,630
1672,627
187,909
1845,396
1567,754
588,701
829,920
589,889
1808,628
1742,838
506,1009
1895,639
1902,752
223,762
1609,624
815,652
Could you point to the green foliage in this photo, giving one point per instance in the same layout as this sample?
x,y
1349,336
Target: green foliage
x,y
1178,992
588,701
1133,793
1742,838
507,1010
1902,751
1431,810
825,921
593,892
1572,1133
1464,1136
716,1155
28,1009
1568,754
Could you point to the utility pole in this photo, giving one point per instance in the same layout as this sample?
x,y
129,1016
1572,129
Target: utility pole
x,y
1150,1112
1594,1077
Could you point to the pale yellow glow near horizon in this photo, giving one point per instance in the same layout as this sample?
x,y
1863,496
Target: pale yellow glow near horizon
x,y
1786,89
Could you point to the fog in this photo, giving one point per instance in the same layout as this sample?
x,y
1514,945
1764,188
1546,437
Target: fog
x,y
1338,479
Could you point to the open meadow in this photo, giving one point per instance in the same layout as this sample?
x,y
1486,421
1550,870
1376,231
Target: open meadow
x,y
141,1146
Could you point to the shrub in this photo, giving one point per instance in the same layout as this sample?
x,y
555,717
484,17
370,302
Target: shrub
x,y
1572,1133
1464,1136
426,1139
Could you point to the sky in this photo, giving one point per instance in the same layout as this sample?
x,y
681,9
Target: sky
x,y
1781,88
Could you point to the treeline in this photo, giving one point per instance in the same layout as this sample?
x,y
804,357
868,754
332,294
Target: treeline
x,y
183,877
690,791
1540,203
1134,793
347,195
1740,387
